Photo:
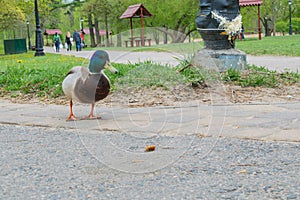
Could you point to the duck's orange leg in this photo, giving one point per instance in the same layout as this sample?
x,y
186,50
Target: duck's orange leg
x,y
71,116
91,115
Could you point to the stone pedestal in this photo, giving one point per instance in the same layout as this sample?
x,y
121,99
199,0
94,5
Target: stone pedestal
x,y
220,60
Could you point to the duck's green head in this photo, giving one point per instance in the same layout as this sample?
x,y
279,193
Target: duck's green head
x,y
99,61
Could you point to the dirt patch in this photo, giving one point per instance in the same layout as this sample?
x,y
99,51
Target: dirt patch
x,y
215,94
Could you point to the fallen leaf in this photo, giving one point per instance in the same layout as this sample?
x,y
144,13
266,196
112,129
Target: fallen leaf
x,y
150,148
244,171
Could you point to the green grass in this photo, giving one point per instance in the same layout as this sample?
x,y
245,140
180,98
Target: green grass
x,y
24,73
1,48
150,75
279,46
260,77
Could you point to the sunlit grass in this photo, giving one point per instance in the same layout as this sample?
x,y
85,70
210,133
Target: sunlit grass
x,y
279,46
40,75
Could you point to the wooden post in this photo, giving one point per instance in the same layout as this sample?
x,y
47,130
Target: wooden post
x,y
142,24
258,23
131,33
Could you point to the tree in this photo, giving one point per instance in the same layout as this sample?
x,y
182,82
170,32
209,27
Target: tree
x,y
282,27
118,25
174,18
88,10
10,15
103,11
271,12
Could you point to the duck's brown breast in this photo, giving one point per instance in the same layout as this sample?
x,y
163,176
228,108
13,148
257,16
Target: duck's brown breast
x,y
102,89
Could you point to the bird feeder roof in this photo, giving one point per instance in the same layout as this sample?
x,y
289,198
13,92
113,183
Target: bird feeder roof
x,y
134,11
52,31
101,32
250,2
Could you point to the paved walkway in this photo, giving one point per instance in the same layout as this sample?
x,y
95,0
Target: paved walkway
x,y
279,63
262,121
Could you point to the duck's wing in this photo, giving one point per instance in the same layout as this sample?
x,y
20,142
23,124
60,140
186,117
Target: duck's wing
x,y
71,78
103,88
85,88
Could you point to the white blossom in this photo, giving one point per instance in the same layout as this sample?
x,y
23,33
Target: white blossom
x,y
232,28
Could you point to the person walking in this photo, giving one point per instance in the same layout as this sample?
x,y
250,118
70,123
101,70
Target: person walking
x,y
56,41
77,39
82,38
68,41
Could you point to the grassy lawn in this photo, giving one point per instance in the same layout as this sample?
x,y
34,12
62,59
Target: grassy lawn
x,y
280,45
42,76
24,73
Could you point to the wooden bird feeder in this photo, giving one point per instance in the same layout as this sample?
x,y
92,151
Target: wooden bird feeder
x,y
244,3
51,32
136,11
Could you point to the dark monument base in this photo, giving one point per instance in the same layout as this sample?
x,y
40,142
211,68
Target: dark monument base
x,y
221,60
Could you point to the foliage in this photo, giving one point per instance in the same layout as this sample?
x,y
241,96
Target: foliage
x,y
272,10
296,25
11,14
174,18
178,17
282,27
194,76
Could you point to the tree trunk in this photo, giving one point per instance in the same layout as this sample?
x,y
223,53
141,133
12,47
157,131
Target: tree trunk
x,y
98,37
166,35
106,29
273,18
156,37
92,35
265,22
119,40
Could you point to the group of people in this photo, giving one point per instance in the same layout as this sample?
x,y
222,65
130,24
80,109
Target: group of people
x,y
78,38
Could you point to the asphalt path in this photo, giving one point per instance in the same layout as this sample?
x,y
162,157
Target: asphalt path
x,y
278,63
59,163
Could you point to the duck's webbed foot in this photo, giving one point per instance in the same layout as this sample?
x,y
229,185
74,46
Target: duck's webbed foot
x,y
71,118
91,115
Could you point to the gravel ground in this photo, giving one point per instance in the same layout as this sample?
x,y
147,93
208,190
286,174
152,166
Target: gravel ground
x,y
48,163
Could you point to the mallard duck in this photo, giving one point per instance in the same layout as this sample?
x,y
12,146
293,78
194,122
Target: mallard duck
x,y
88,85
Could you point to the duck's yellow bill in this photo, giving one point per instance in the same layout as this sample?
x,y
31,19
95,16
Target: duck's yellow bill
x,y
109,67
